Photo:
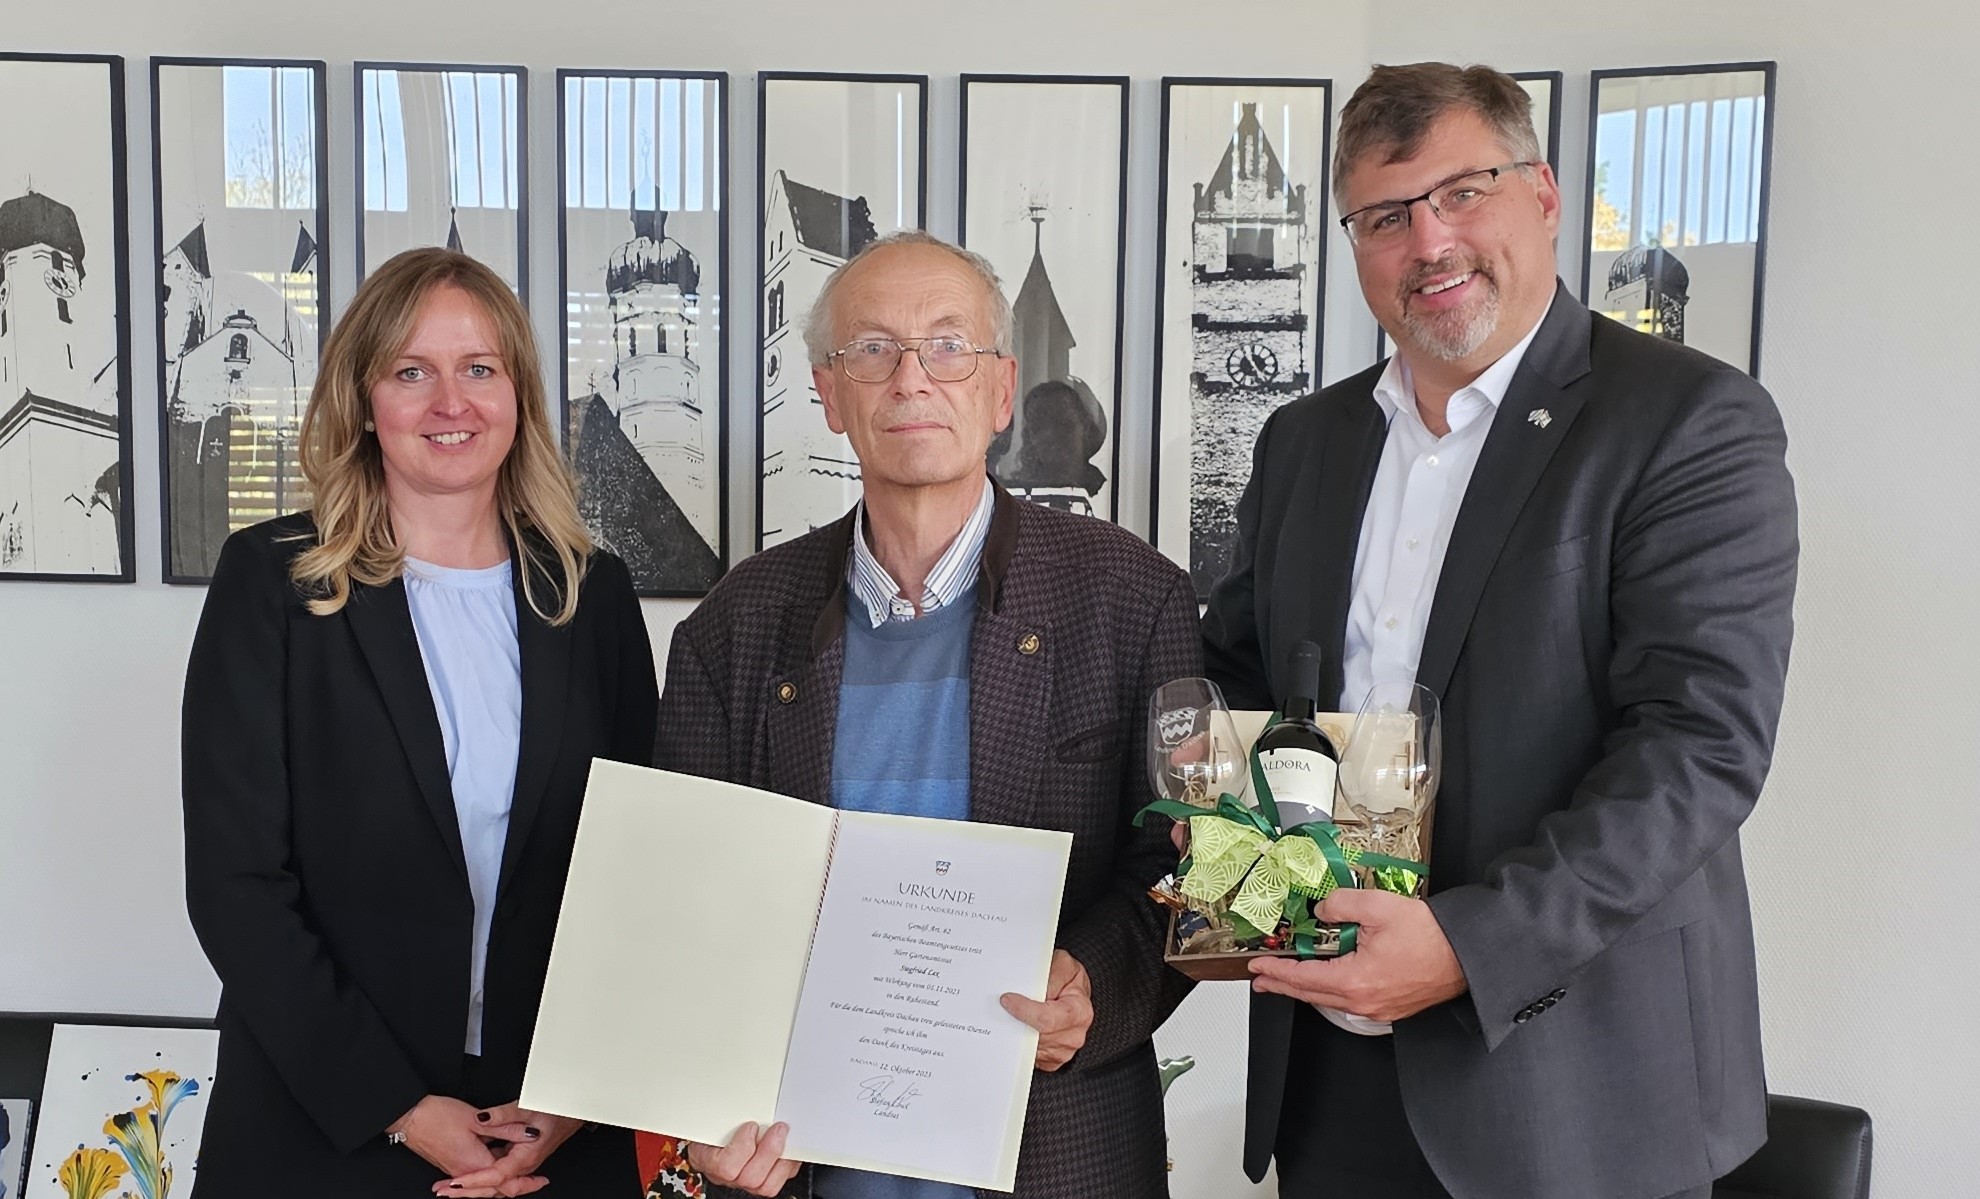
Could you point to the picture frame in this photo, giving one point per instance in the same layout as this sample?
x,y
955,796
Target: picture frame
x,y
66,511
1545,89
242,232
1240,295
643,259
16,1127
1034,150
841,159
1681,258
124,1100
436,143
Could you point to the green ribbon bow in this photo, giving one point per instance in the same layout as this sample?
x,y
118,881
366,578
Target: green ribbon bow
x,y
1275,872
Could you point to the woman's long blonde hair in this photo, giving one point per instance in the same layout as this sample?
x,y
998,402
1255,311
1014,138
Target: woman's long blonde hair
x,y
534,493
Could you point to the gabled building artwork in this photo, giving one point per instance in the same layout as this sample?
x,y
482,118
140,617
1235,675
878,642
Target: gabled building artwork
x,y
60,453
1251,324
1057,424
650,486
234,399
810,475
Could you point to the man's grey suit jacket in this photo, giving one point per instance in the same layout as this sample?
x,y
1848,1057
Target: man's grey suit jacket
x,y
1609,638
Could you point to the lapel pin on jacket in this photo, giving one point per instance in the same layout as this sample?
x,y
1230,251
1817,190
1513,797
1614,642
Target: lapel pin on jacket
x,y
1540,417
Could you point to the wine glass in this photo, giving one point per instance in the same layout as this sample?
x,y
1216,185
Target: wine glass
x,y
1194,754
1389,776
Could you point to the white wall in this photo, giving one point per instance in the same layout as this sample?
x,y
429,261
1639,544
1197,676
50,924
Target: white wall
x,y
1856,854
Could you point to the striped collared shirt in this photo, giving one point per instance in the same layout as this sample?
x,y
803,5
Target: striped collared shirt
x,y
954,574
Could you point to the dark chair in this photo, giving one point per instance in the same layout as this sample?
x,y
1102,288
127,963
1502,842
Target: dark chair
x,y
1814,1150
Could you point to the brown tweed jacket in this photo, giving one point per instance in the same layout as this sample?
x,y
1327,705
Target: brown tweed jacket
x,y
1078,621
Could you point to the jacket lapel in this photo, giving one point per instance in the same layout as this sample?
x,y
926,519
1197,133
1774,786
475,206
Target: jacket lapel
x,y
382,622
804,704
545,650
1516,452
1335,490
1010,684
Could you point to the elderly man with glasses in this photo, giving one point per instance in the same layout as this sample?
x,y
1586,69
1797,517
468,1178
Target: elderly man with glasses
x,y
946,650
1583,539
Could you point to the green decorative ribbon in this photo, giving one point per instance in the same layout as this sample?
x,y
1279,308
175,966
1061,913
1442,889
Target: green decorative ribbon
x,y
1276,873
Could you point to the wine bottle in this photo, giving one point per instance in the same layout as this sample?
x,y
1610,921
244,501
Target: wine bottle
x,y
1300,762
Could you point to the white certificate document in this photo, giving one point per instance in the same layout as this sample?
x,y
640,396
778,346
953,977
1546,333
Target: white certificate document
x,y
727,955
901,1058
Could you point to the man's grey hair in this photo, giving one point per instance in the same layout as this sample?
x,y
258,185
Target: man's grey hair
x,y
1391,113
821,325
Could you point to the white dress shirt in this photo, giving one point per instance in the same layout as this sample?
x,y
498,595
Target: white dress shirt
x,y
951,578
1419,485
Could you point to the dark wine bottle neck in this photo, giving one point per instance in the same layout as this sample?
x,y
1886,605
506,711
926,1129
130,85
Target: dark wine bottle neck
x,y
1300,707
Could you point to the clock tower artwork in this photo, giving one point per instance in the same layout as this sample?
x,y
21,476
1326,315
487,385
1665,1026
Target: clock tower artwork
x,y
1251,326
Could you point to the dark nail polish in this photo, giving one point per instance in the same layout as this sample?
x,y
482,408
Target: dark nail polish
x,y
531,1132
481,1116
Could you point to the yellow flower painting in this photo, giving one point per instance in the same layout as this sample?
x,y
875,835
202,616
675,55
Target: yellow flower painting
x,y
90,1173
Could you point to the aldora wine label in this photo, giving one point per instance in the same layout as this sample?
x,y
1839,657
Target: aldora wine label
x,y
1302,782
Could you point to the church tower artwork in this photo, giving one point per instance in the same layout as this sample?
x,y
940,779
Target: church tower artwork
x,y
643,438
1251,273
1057,424
234,399
654,285
60,453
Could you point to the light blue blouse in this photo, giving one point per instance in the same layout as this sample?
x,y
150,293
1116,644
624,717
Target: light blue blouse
x,y
466,623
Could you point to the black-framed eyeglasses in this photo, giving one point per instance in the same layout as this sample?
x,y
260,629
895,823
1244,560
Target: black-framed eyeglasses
x,y
875,359
1455,201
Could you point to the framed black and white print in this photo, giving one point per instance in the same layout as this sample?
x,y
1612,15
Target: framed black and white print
x,y
1238,296
1678,169
841,160
1042,195
442,160
1543,88
65,362
642,169
241,190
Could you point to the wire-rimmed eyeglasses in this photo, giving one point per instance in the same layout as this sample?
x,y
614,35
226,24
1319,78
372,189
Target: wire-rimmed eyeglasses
x,y
875,359
1455,201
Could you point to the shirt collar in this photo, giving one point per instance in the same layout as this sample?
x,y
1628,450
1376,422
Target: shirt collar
x,y
952,578
1395,391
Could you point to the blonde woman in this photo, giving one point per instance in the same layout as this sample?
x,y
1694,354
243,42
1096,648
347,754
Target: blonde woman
x,y
390,708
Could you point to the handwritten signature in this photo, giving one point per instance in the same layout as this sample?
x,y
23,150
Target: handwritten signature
x,y
876,1092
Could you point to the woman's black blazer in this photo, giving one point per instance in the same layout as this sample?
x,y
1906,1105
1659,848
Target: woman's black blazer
x,y
324,870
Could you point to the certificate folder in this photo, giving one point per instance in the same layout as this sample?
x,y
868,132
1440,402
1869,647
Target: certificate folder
x,y
727,955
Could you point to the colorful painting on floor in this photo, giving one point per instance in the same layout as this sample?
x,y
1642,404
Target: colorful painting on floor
x,y
121,1113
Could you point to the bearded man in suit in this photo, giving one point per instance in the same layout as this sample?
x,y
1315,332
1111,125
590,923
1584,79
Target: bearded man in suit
x,y
1582,538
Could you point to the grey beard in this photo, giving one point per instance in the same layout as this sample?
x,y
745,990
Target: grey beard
x,y
1457,335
